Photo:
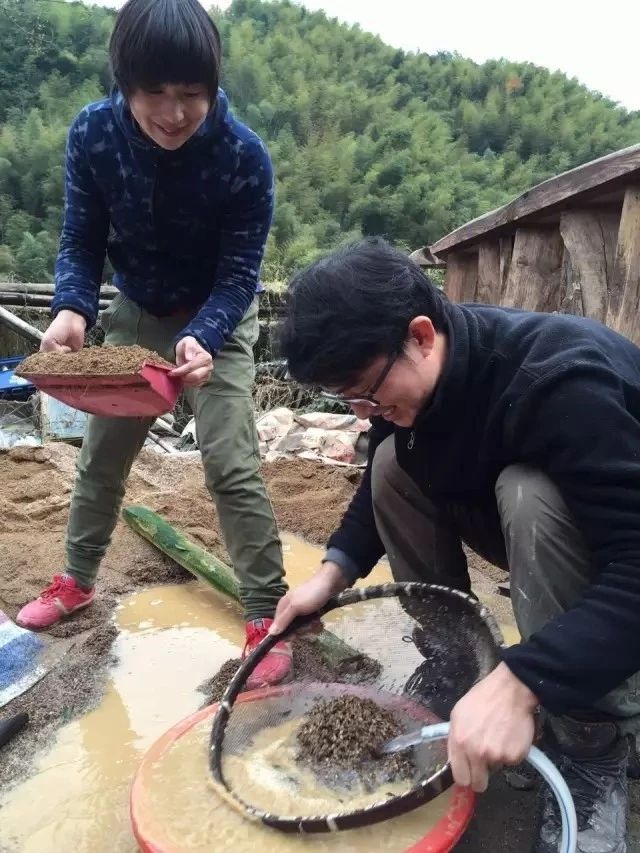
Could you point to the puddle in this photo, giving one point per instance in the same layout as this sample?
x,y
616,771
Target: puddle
x,y
171,639
81,786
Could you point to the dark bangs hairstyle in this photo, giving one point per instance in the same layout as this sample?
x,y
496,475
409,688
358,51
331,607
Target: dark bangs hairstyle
x,y
351,306
156,42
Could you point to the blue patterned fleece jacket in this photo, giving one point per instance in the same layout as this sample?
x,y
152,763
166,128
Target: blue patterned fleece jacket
x,y
183,230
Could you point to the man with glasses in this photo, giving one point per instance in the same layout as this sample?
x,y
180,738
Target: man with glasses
x,y
518,434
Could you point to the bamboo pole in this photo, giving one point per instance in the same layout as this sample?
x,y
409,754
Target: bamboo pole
x,y
8,318
168,448
106,290
205,566
37,300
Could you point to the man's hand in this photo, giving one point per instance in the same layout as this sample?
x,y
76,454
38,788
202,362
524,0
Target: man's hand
x,y
493,724
309,597
195,364
65,334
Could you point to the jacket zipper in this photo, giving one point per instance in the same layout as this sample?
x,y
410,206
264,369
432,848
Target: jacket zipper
x,y
412,440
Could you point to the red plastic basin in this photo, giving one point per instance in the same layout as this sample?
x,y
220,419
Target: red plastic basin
x,y
441,838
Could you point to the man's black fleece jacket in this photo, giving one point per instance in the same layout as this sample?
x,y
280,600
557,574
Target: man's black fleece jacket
x,y
561,394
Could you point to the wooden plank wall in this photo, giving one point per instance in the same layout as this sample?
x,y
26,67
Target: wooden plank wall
x,y
588,265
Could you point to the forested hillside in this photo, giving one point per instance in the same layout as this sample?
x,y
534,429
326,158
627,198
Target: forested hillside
x,y
365,138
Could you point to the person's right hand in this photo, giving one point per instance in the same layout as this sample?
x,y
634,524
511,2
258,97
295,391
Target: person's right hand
x,y
309,597
65,334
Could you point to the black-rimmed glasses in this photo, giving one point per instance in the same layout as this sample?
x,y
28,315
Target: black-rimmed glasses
x,y
368,398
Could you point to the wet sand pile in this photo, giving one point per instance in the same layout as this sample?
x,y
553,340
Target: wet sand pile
x,y
345,734
308,664
91,361
213,689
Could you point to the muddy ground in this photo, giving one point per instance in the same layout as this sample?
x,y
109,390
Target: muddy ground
x,y
309,499
35,490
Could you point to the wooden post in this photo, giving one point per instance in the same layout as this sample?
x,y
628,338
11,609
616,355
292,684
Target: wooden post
x,y
570,289
489,283
590,241
624,291
534,277
494,261
506,255
462,277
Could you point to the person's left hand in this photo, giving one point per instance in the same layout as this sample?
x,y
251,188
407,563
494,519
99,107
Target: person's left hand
x,y
492,725
194,363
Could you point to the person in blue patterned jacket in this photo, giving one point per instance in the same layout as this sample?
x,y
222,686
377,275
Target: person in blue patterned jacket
x,y
162,178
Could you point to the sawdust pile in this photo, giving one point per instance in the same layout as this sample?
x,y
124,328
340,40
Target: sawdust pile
x,y
91,361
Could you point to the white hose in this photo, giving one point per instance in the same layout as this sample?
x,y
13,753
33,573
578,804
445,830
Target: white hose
x,y
549,772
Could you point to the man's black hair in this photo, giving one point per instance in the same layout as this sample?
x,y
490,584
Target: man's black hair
x,y
155,42
346,309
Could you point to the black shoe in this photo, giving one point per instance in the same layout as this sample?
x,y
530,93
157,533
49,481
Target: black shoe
x,y
592,757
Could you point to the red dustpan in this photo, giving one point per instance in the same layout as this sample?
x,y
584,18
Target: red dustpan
x,y
148,392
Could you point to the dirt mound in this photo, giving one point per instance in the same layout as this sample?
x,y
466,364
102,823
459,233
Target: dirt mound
x,y
90,361
35,491
309,498
308,664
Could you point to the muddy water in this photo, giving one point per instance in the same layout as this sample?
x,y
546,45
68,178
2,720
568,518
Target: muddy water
x,y
180,789
81,786
171,639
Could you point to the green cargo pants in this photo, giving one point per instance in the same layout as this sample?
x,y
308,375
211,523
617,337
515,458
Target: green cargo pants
x,y
228,442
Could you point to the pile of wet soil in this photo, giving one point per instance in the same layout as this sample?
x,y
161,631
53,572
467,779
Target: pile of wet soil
x,y
308,664
346,734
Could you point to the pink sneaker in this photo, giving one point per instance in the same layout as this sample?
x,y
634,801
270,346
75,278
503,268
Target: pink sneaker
x,y
61,598
277,666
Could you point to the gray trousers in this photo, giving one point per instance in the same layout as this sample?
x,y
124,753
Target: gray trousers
x,y
527,531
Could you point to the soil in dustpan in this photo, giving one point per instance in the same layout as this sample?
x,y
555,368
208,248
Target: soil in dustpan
x,y
91,361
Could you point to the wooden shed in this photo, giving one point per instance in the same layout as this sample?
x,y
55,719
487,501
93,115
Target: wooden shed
x,y
570,244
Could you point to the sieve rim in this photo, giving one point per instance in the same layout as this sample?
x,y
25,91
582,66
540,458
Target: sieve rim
x,y
421,793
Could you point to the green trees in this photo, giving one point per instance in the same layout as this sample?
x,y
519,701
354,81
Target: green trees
x,y
365,139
